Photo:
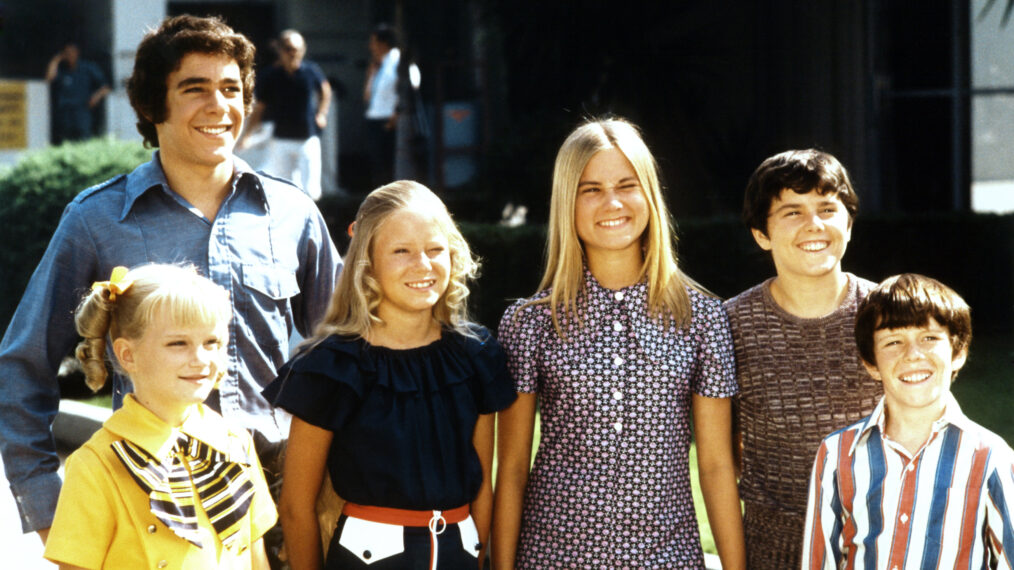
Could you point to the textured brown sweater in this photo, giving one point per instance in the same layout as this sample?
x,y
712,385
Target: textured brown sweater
x,y
799,379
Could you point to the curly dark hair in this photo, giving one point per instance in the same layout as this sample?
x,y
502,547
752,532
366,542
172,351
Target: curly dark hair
x,y
161,52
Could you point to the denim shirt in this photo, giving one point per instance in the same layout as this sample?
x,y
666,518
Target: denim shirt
x,y
268,246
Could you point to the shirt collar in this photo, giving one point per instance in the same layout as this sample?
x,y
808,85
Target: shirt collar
x,y
142,427
878,419
150,175
595,289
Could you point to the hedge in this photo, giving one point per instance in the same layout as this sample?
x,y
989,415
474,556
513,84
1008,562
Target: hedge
x,y
33,194
974,253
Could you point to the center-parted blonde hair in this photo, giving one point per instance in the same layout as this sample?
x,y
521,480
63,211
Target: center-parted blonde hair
x,y
667,295
353,307
188,298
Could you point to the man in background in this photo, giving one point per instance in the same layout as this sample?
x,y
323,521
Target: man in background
x,y
380,93
78,87
295,96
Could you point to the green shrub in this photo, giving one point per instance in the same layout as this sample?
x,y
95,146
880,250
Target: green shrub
x,y
33,194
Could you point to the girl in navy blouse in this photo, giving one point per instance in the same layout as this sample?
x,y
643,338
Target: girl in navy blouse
x,y
395,396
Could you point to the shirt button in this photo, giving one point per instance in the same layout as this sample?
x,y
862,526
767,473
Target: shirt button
x,y
617,360
161,564
367,554
151,529
617,395
911,466
904,518
618,295
617,326
618,426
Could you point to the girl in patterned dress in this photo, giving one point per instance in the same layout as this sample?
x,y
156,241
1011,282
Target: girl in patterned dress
x,y
394,398
618,347
166,482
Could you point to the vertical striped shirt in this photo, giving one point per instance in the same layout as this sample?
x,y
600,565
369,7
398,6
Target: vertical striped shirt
x,y
873,505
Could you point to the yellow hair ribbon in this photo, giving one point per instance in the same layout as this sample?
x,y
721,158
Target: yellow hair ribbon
x,y
117,284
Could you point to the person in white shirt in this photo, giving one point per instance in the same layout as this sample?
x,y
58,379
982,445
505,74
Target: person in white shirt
x,y
380,93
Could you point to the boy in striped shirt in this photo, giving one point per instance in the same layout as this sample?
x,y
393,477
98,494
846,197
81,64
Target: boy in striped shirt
x,y
916,484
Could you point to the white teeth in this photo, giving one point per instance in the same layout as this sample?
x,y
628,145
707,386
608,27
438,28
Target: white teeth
x,y
914,377
612,223
422,284
213,130
814,245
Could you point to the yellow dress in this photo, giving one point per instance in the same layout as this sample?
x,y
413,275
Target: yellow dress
x,y
104,517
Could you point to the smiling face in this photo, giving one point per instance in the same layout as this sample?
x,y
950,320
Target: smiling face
x,y
611,212
916,365
411,260
173,366
204,112
806,233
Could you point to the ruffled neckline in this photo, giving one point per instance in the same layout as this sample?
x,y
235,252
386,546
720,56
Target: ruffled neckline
x,y
451,359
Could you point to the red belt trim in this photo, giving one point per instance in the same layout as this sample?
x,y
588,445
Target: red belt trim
x,y
404,517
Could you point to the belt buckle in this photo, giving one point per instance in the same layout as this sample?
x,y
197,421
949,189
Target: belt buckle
x,y
437,523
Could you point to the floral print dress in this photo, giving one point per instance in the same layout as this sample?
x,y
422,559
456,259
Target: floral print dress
x,y
610,487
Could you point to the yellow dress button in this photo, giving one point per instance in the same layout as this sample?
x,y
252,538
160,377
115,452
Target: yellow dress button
x,y
161,564
152,528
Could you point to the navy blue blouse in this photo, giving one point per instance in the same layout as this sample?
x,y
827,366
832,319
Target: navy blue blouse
x,y
402,419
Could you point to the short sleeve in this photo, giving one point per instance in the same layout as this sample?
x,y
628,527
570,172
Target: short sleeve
x,y
493,389
715,370
84,524
322,386
97,77
522,335
318,75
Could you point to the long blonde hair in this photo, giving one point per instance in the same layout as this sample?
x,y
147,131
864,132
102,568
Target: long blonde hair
x,y
115,310
667,295
353,307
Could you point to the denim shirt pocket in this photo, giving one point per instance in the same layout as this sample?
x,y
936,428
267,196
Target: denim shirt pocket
x,y
267,290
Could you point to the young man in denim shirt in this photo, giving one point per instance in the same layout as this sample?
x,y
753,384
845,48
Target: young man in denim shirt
x,y
260,238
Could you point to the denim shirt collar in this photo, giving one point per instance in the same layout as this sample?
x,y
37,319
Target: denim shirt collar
x,y
150,175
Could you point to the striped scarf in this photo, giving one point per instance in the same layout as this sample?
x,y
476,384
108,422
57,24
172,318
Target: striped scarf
x,y
223,487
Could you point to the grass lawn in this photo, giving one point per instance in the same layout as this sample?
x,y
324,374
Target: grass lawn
x,y
983,387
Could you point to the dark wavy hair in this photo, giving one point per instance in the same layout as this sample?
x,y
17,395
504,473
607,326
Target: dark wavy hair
x,y
801,171
161,52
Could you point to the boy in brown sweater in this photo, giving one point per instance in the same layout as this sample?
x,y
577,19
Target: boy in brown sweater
x,y
799,373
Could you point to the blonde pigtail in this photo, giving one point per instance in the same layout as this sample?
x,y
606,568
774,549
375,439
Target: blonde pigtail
x,y
92,320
